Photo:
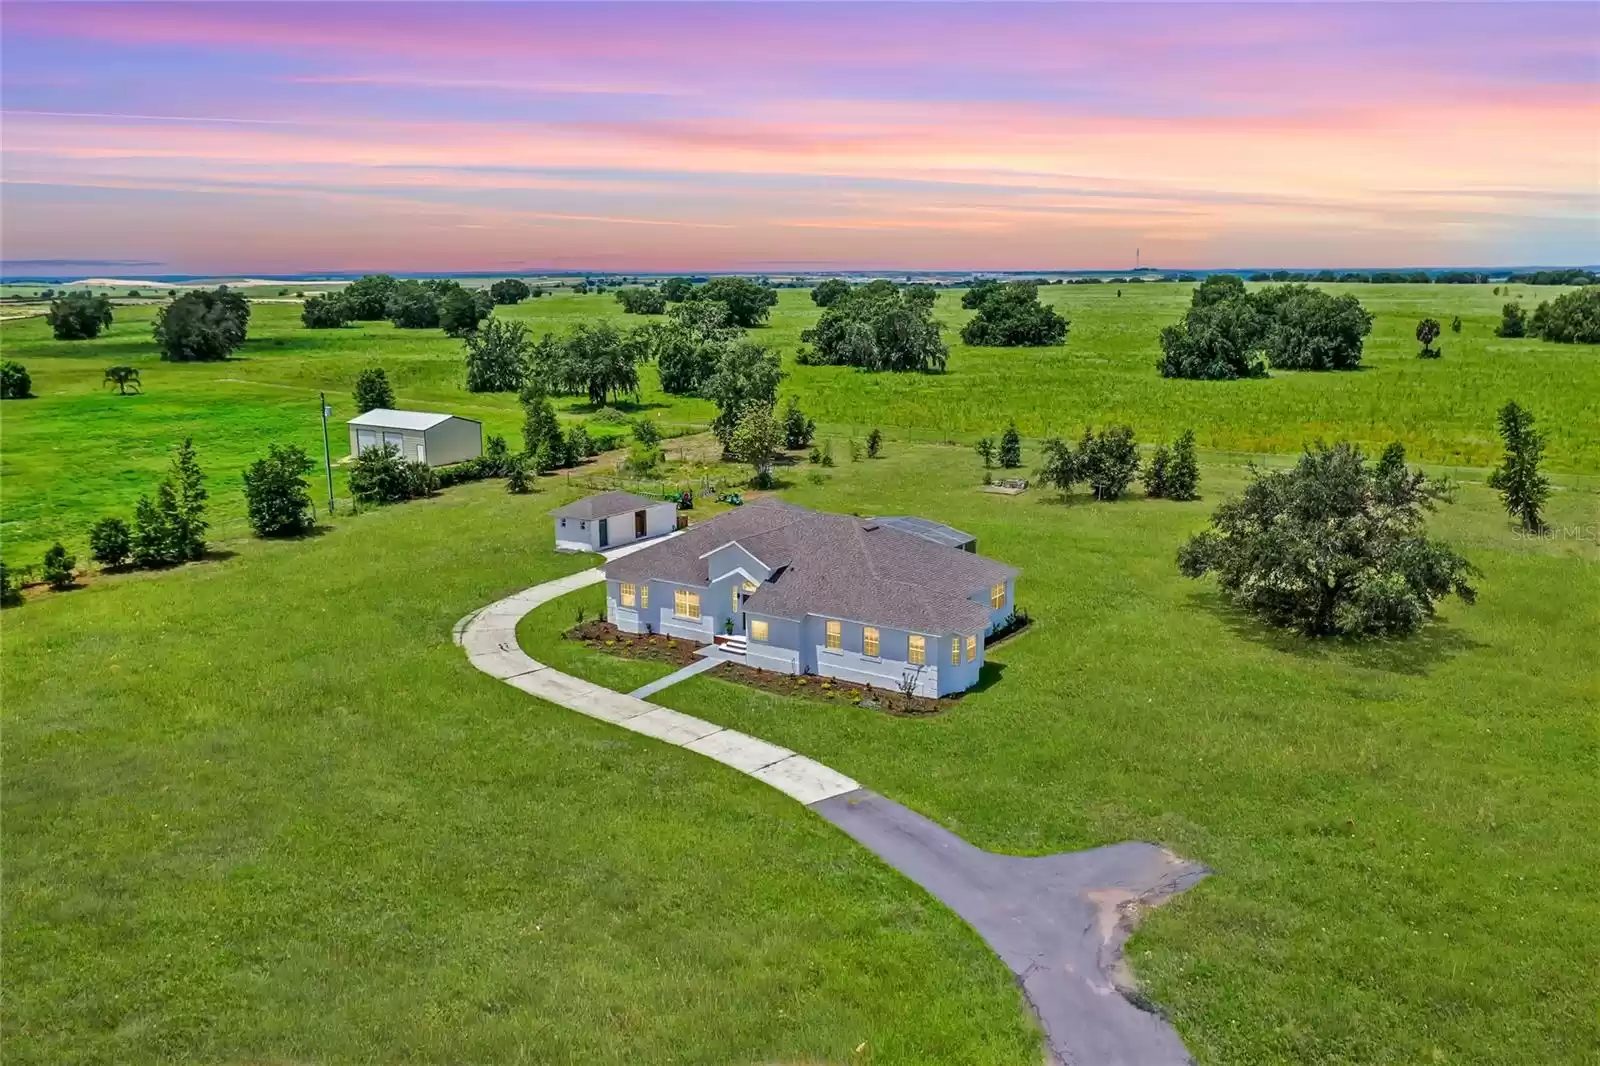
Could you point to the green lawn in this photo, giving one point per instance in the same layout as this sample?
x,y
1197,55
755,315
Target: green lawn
x,y
79,450
262,810
1402,833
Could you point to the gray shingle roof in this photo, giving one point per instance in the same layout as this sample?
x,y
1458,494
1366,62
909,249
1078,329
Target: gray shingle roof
x,y
832,565
603,505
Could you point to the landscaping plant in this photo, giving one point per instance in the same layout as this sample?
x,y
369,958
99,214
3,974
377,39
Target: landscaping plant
x,y
59,567
110,542
277,494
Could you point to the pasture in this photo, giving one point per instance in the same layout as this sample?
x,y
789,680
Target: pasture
x,y
1400,830
261,809
78,450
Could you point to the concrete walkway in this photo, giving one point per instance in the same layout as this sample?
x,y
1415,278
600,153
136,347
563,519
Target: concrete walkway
x,y
646,691
1058,921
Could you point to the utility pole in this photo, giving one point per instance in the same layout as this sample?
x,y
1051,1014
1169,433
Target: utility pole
x,y
327,456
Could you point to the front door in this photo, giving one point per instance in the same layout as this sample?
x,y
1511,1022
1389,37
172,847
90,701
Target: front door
x,y
638,524
605,532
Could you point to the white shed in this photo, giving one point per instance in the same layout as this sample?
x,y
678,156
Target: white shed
x,y
612,518
435,439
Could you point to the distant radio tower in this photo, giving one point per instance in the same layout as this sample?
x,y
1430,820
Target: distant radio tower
x,y
1136,259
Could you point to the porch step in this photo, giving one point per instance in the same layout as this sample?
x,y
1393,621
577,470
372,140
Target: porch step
x,y
735,645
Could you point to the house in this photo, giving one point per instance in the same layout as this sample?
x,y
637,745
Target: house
x,y
611,519
808,592
435,439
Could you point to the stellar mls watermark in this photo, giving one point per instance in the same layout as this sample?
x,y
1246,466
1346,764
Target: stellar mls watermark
x,y
1562,533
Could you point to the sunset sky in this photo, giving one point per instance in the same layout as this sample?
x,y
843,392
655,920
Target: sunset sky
x,y
245,138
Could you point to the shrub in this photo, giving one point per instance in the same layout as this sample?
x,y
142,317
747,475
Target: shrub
x,y
646,432
1428,331
797,428
79,316
1513,321
496,460
327,310
643,459
152,543
373,390
1523,489
986,451
1573,318
579,444
1455,324
15,383
1183,475
1060,467
380,476
186,512
1332,547
1010,448
110,542
10,587
874,443
59,567
276,494
518,483
542,439
1154,474
202,325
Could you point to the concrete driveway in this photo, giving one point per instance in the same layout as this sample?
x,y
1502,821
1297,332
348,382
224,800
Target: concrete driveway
x,y
1058,921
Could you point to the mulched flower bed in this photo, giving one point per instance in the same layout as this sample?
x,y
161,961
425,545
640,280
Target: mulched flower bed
x,y
833,690
603,636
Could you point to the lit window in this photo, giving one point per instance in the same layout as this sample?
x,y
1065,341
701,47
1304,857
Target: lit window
x,y
627,594
997,596
644,596
832,638
916,651
758,630
869,640
750,586
972,648
955,651
686,604
736,599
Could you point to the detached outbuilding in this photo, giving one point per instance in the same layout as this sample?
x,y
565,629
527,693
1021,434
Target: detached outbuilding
x,y
611,519
424,436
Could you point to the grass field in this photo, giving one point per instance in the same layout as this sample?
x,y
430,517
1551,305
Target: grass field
x,y
262,810
79,450
1401,833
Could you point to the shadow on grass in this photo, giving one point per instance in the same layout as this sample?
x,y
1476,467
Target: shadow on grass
x,y
989,675
1413,656
625,406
